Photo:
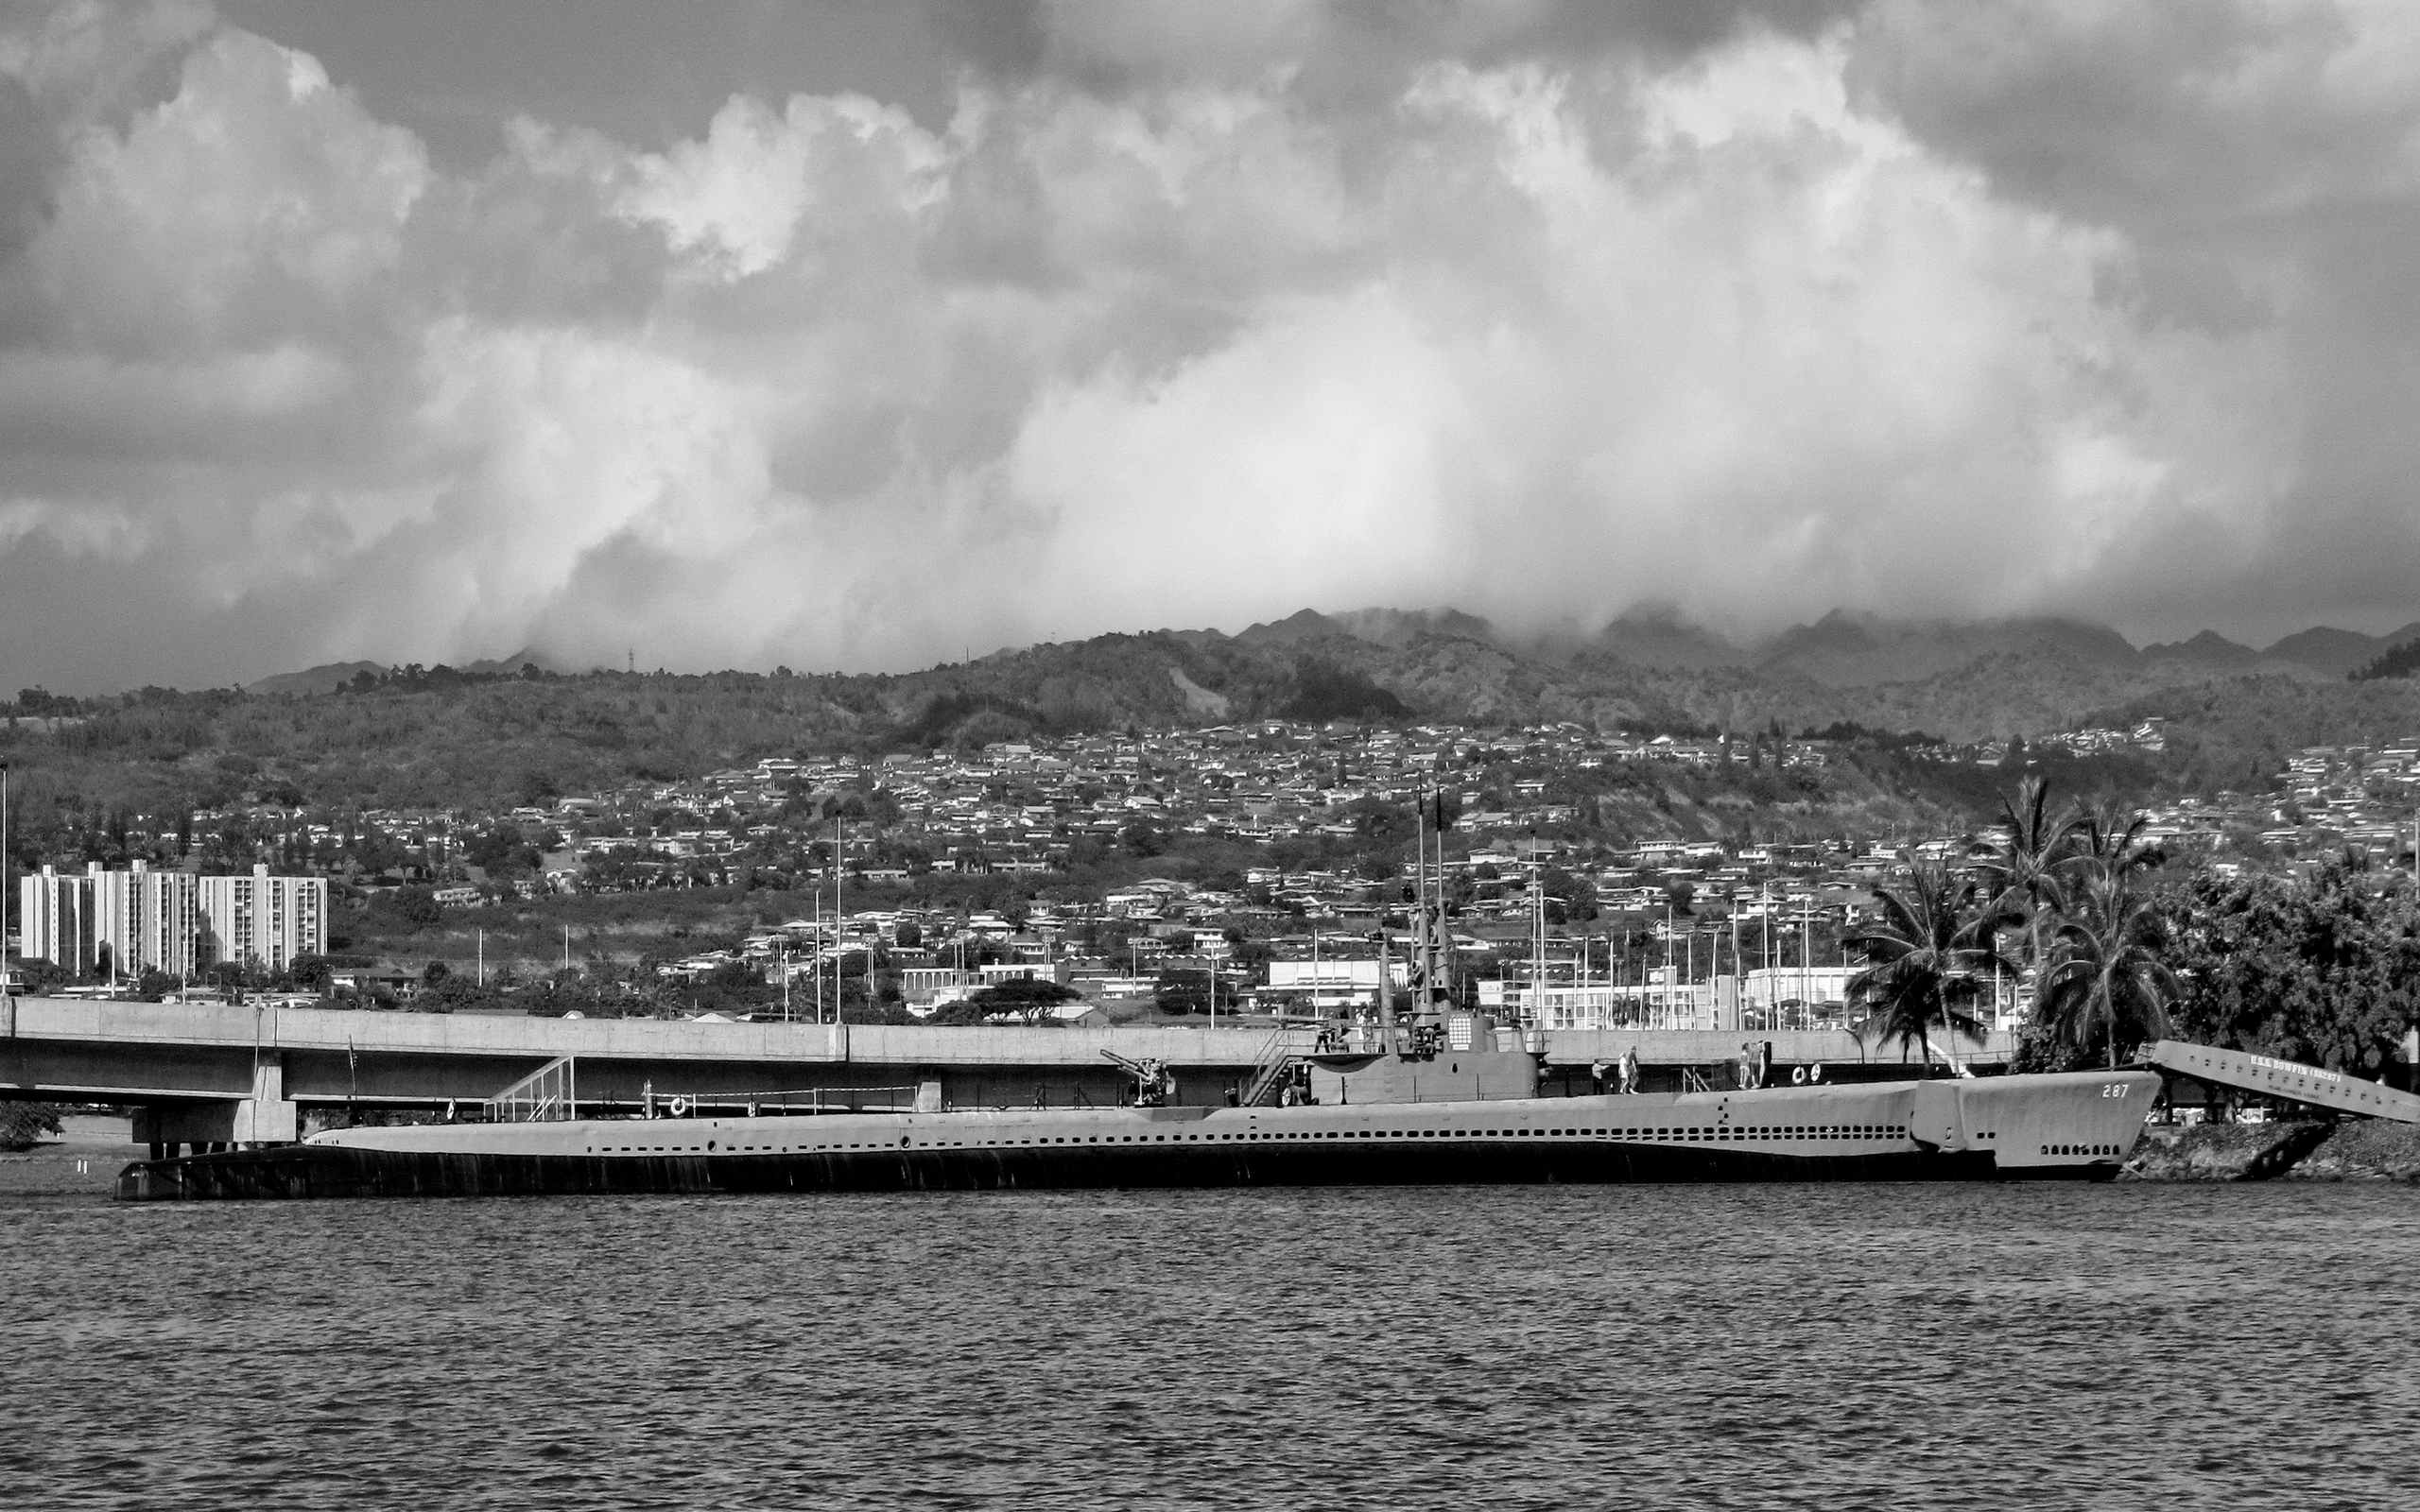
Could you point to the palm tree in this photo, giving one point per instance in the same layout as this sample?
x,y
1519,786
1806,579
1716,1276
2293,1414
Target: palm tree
x,y
2108,842
1935,951
2106,969
2027,865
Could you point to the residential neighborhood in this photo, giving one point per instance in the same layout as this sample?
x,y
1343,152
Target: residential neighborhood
x,y
1592,877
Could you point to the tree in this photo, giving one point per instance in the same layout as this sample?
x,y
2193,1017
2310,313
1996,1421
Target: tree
x,y
310,973
2107,970
417,907
2326,972
1182,990
451,992
1576,896
503,849
1018,994
2109,841
1144,840
24,1123
1934,951
2028,866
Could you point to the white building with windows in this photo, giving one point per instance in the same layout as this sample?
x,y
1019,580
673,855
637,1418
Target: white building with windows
x,y
263,920
139,920
130,922
55,918
151,919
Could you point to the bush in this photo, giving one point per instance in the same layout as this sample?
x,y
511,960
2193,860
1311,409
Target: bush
x,y
2041,1048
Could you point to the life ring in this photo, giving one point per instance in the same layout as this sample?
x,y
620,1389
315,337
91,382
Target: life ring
x,y
1798,1076
1817,1074
680,1107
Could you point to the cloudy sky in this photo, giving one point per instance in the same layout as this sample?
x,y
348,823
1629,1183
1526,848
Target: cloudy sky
x,y
856,335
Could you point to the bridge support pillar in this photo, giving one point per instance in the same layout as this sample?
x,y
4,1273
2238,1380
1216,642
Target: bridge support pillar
x,y
268,1116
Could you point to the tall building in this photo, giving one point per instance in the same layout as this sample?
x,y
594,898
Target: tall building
x,y
55,918
151,921
265,920
140,921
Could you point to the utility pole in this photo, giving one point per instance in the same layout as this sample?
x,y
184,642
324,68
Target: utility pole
x,y
836,957
1689,973
1806,957
1538,954
1665,998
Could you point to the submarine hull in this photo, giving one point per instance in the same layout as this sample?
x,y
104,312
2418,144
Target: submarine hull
x,y
301,1171
2068,1128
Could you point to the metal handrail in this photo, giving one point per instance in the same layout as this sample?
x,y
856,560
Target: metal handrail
x,y
548,1093
818,1100
1277,1055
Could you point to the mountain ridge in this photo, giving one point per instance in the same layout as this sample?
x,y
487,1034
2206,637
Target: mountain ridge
x,y
1650,670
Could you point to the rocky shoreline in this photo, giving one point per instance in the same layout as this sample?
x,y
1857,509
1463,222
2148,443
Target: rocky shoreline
x,y
2313,1150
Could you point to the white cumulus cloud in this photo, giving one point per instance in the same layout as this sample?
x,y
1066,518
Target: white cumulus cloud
x,y
1207,316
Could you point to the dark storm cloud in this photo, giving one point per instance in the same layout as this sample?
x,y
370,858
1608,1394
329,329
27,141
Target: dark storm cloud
x,y
850,334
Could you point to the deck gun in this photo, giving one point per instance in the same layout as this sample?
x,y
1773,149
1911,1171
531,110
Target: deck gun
x,y
1154,1084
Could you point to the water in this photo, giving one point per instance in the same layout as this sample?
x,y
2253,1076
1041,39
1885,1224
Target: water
x,y
1908,1347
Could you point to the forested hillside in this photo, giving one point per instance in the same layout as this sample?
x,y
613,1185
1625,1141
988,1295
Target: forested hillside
x,y
431,737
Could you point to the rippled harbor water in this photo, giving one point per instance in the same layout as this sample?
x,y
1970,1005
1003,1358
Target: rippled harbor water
x,y
1908,1347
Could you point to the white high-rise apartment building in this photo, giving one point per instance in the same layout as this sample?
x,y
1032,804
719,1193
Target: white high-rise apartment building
x,y
55,916
150,920
170,921
266,920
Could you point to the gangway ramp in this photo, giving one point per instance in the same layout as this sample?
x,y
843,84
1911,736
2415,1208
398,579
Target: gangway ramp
x,y
2271,1077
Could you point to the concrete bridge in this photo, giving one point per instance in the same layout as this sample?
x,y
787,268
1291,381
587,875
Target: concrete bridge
x,y
207,1074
